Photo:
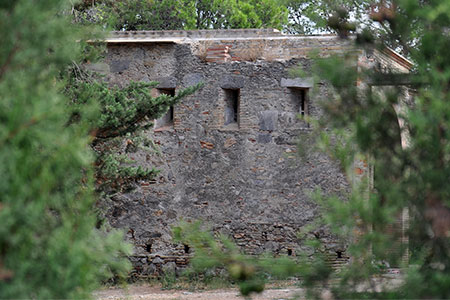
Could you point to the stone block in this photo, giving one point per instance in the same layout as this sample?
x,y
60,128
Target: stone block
x,y
305,83
232,82
271,246
157,260
151,269
102,68
118,66
264,138
144,79
192,79
268,120
169,268
229,142
166,82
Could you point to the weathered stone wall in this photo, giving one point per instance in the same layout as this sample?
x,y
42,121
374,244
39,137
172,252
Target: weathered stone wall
x,y
244,179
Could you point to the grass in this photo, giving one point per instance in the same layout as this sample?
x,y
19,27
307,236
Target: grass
x,y
192,281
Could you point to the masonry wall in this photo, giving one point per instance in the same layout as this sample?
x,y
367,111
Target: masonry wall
x,y
245,180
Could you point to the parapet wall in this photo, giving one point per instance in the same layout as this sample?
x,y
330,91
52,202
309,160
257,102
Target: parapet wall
x,y
242,44
193,34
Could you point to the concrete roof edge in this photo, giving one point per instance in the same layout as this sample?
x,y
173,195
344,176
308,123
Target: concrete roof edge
x,y
179,36
195,33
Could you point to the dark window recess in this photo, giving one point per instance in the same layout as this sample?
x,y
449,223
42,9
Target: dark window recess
x,y
148,247
301,100
339,254
303,106
231,106
289,252
167,119
186,248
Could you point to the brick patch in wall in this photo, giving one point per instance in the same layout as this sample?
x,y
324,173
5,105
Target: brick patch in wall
x,y
218,54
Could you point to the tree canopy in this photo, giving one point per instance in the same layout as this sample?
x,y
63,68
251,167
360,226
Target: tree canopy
x,y
182,14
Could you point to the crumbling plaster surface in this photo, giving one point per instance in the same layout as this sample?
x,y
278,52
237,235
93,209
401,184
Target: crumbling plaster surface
x,y
247,182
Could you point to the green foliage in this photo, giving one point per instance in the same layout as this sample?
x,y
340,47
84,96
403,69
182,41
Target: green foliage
x,y
124,112
168,280
133,14
49,247
402,132
250,273
313,16
410,161
112,167
183,14
345,16
219,252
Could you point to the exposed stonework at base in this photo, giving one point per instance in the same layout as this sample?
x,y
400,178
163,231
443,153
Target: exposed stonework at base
x,y
228,157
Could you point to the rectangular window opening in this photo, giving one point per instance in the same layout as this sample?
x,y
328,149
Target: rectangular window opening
x,y
299,107
231,106
300,98
301,101
167,119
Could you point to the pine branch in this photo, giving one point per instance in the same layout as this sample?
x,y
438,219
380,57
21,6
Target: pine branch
x,y
151,109
16,131
8,60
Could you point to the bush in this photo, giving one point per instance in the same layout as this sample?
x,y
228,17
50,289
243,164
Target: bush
x,y
49,247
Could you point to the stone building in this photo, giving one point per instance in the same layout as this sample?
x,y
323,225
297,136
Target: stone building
x,y
228,152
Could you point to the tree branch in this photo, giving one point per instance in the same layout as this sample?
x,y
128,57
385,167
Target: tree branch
x,y
19,129
8,61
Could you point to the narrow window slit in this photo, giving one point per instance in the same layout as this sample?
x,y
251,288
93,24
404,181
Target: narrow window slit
x,y
299,107
186,249
289,252
167,119
231,106
148,247
303,106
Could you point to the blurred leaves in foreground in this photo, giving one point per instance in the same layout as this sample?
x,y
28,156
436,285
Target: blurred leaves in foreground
x,y
397,125
49,245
